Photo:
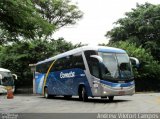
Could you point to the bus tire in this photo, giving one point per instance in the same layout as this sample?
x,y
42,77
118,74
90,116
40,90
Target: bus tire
x,y
46,95
103,97
110,98
84,94
80,92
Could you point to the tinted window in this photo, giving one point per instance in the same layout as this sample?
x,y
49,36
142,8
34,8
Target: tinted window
x,y
69,62
43,68
94,67
7,79
92,63
77,61
89,53
61,64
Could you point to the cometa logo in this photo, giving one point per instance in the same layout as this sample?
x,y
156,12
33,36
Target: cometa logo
x,y
67,75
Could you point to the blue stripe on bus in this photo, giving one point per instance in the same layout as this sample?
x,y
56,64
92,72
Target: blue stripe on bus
x,y
117,84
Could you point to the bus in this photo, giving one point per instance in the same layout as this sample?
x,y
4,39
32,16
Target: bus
x,y
86,71
6,80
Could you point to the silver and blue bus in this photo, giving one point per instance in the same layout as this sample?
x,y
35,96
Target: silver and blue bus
x,y
86,72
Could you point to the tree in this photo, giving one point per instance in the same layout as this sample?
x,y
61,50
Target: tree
x,y
20,18
141,25
32,19
58,12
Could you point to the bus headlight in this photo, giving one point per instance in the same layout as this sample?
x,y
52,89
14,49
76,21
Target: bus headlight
x,y
95,85
104,92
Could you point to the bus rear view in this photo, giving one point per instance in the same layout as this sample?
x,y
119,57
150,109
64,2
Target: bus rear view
x,y
87,72
6,80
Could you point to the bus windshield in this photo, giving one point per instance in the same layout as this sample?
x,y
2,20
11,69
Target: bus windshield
x,y
7,79
115,66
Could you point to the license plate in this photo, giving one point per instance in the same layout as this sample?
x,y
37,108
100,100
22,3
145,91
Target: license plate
x,y
121,93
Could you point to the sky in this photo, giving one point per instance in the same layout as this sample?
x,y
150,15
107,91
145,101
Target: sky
x,y
98,18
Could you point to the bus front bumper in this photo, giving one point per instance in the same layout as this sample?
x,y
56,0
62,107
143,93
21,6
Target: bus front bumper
x,y
117,91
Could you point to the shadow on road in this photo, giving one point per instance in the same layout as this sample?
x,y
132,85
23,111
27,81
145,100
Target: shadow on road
x,y
90,100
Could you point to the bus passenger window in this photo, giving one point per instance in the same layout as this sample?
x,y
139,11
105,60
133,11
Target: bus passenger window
x,y
93,63
77,61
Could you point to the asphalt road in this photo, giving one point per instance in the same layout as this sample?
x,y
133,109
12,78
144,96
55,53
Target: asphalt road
x,y
138,103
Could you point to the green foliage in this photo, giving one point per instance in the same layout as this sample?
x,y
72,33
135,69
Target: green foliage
x,y
34,19
58,12
141,25
139,34
18,56
20,18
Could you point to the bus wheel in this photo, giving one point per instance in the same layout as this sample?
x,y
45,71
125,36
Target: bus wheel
x,y
103,97
84,94
111,98
46,95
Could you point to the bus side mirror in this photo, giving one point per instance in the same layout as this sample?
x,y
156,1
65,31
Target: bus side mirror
x,y
97,57
14,76
1,77
134,62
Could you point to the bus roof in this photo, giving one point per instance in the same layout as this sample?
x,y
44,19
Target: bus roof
x,y
84,48
4,70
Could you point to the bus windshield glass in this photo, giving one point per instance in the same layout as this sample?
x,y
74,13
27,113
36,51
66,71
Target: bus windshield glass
x,y
7,79
115,66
